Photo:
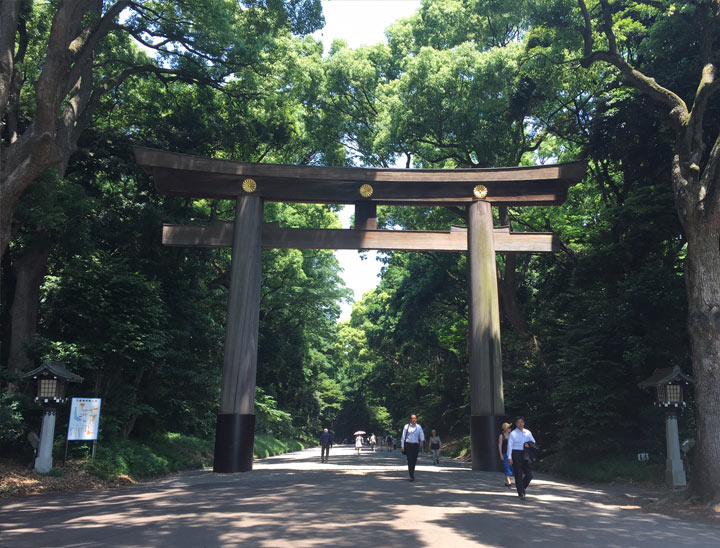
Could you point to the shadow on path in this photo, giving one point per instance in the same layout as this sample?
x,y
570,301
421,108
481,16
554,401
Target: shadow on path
x,y
364,500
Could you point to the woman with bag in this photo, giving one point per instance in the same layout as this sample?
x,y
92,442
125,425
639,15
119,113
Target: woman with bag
x,y
435,445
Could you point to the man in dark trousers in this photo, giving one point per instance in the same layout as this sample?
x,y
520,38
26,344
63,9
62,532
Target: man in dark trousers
x,y
325,445
411,443
520,440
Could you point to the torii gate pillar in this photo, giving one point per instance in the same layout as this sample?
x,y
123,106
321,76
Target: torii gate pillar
x,y
235,433
487,406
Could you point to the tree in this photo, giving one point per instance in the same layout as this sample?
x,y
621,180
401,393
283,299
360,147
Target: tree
x,y
632,37
58,59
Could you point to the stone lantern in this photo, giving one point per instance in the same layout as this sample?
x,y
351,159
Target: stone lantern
x,y
669,383
52,380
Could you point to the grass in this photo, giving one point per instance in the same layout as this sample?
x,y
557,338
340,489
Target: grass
x,y
122,462
162,455
603,469
171,453
457,448
600,469
267,446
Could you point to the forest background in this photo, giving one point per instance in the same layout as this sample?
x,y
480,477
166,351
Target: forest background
x,y
461,83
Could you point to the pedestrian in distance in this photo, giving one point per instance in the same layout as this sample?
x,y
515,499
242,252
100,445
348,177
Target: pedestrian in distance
x,y
411,443
389,442
373,441
518,441
435,445
502,448
358,444
325,445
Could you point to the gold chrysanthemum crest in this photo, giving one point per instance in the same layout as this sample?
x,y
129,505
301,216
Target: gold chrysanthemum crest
x,y
366,191
480,192
249,185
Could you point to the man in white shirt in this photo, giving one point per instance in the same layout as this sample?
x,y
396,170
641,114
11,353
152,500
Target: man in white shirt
x,y
411,442
517,443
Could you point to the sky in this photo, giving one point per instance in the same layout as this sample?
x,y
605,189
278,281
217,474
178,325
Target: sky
x,y
360,23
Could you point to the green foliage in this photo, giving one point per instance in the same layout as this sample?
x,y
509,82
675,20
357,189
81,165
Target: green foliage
x,y
603,469
11,419
461,83
457,448
267,446
162,455
56,473
270,419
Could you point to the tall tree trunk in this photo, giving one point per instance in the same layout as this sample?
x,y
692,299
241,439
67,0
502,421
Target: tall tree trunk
x,y
702,279
7,287
29,271
696,183
508,286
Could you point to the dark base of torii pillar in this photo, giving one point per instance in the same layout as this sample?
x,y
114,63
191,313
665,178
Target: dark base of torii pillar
x,y
235,433
484,432
487,406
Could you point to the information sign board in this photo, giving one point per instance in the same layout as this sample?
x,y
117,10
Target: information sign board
x,y
84,419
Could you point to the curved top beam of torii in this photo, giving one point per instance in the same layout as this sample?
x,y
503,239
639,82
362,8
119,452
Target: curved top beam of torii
x,y
198,177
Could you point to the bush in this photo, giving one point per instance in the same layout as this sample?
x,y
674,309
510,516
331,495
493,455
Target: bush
x,y
602,469
171,453
270,418
267,446
11,420
457,448
162,455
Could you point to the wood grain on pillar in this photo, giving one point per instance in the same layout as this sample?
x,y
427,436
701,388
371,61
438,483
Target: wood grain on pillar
x,y
241,333
486,384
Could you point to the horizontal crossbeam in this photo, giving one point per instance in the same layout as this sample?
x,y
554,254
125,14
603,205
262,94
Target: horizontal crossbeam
x,y
197,177
273,236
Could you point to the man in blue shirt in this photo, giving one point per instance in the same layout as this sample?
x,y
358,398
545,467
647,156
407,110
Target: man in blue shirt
x,y
411,442
325,445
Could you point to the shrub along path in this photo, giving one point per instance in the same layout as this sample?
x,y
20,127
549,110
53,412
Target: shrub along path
x,y
365,500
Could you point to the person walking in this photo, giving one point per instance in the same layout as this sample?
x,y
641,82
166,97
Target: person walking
x,y
373,441
502,448
358,444
411,443
325,445
389,442
435,445
518,441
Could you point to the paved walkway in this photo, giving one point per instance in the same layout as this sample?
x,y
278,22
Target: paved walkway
x,y
354,501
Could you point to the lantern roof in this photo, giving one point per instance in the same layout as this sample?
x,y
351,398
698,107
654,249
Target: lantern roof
x,y
57,369
665,375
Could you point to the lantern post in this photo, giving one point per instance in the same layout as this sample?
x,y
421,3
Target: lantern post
x,y
52,379
669,383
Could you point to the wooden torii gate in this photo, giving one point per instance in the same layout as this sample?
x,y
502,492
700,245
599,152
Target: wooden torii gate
x,y
252,184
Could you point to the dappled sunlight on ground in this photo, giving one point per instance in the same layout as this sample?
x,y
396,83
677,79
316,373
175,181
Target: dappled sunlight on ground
x,y
365,500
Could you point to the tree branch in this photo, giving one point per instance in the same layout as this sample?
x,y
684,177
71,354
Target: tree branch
x,y
9,19
679,111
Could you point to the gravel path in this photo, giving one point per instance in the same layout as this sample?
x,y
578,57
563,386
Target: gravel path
x,y
354,501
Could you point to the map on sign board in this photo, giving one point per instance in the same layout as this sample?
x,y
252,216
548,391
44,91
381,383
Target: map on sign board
x,y
84,419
